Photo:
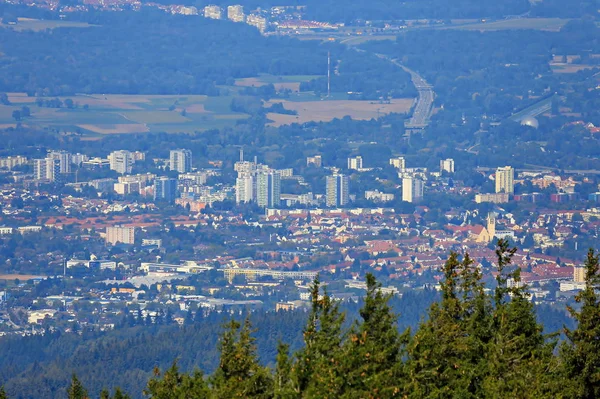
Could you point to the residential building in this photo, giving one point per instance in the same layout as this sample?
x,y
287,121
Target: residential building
x,y
378,196
165,189
127,188
499,198
268,189
315,161
412,189
579,274
213,12
78,159
47,169
120,234
258,22
235,13
11,162
244,188
181,160
64,160
337,190
355,163
447,165
121,161
505,180
398,163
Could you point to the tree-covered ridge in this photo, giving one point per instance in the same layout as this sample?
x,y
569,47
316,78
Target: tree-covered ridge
x,y
475,343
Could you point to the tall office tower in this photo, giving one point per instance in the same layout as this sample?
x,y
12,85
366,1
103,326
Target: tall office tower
x,y
412,189
46,169
213,12
268,189
124,235
120,161
165,189
398,163
447,165
64,160
505,180
235,13
244,188
337,190
355,163
181,161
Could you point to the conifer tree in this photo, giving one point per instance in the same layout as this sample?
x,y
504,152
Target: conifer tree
x,y
105,394
283,383
76,389
440,362
372,352
239,374
581,353
519,361
316,372
3,393
175,385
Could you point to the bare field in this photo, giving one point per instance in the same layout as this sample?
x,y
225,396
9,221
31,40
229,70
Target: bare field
x,y
570,68
40,24
99,114
116,128
550,24
324,111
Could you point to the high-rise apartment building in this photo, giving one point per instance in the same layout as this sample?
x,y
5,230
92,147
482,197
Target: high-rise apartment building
x,y
121,161
181,161
412,189
165,189
337,190
64,160
235,13
46,169
213,12
355,163
124,235
447,165
244,188
505,180
268,189
398,163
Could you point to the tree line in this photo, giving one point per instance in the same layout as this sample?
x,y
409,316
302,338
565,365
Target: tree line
x,y
475,343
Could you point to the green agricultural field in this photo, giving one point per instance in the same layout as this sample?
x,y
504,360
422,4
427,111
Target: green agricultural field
x,y
110,114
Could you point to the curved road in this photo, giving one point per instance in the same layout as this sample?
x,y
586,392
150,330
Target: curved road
x,y
422,110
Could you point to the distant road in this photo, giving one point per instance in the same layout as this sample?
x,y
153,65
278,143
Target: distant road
x,y
422,111
535,110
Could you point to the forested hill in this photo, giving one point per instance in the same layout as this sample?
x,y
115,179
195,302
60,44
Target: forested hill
x,y
148,52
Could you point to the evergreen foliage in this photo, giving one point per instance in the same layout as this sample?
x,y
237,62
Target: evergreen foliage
x,y
581,353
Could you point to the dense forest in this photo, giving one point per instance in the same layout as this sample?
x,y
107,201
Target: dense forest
x,y
149,52
40,366
474,343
